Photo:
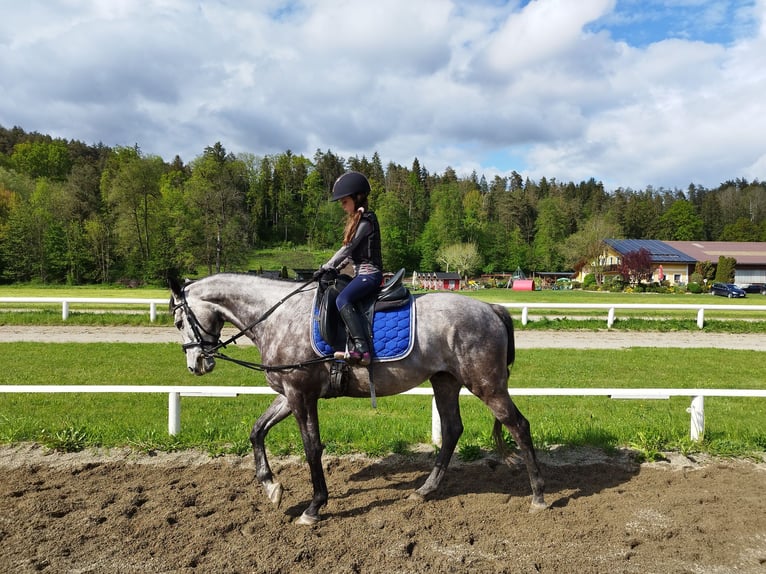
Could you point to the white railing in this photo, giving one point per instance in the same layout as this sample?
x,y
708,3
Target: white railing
x,y
67,301
612,307
696,409
175,392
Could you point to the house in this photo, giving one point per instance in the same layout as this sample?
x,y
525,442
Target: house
x,y
438,281
750,257
669,264
674,261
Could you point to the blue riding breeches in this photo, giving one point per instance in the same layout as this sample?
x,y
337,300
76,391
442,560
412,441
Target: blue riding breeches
x,y
360,287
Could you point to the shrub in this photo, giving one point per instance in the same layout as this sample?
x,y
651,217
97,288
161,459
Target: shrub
x,y
694,287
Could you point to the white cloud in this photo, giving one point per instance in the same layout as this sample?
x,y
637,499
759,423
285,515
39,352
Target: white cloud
x,y
464,84
541,31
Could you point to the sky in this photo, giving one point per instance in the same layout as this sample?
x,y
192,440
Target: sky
x,y
632,93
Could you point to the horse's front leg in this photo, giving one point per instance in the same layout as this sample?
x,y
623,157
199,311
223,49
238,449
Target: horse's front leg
x,y
278,411
446,395
305,410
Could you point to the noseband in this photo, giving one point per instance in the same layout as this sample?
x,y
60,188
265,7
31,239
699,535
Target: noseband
x,y
208,347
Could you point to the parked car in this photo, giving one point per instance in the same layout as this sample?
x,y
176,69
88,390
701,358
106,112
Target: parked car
x,y
756,288
729,290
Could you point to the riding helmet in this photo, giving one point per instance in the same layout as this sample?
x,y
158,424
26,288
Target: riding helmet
x,y
350,183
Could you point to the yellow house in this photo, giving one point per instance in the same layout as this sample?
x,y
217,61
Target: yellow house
x,y
674,261
669,264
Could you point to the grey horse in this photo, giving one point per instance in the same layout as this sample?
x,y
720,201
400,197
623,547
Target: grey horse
x,y
458,342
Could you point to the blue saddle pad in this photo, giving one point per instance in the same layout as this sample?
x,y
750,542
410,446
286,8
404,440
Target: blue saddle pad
x,y
393,333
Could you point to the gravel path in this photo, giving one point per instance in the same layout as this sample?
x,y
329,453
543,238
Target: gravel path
x,y
603,339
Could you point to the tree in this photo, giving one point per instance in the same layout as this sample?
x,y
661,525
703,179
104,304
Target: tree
x,y
131,186
49,159
680,223
725,270
100,244
636,266
741,230
586,247
444,226
216,192
554,224
705,270
463,257
396,246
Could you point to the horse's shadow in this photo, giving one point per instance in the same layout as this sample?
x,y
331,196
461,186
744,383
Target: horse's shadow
x,y
569,473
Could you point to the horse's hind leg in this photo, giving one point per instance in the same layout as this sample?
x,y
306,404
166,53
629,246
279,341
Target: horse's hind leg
x,y
507,414
446,394
278,411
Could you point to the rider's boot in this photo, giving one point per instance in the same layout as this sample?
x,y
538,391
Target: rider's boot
x,y
360,353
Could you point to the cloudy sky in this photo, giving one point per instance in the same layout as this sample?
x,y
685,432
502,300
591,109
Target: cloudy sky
x,y
630,92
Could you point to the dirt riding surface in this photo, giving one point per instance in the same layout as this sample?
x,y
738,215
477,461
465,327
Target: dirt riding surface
x,y
186,512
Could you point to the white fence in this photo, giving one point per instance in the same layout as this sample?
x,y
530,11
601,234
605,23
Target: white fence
x,y
696,410
610,308
65,302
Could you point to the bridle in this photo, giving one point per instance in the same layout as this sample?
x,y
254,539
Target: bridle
x,y
211,349
208,347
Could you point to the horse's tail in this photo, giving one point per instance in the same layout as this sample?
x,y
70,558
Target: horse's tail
x,y
502,312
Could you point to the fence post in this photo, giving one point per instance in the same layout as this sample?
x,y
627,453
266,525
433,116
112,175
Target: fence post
x,y
152,311
524,315
174,413
697,411
701,318
64,310
610,318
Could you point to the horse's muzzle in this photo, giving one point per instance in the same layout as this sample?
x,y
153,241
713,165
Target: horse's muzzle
x,y
202,366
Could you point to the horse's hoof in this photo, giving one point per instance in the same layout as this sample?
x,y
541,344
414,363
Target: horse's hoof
x,y
416,497
537,507
274,492
307,520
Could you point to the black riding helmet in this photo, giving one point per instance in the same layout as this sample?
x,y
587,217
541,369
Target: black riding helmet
x,y
350,183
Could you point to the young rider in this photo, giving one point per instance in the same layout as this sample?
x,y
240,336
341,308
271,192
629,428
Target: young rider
x,y
361,246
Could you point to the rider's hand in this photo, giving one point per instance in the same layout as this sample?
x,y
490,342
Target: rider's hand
x,y
318,274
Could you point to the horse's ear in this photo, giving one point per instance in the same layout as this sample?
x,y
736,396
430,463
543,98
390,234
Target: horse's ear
x,y
175,286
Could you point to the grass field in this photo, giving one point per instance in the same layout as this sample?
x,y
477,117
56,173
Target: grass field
x,y
746,316
72,421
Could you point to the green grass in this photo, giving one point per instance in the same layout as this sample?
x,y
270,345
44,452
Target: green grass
x,y
36,290
73,421
745,320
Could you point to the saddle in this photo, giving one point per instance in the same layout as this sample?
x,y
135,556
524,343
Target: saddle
x,y
392,295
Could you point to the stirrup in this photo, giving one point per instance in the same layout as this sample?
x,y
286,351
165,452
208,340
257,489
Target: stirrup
x,y
354,357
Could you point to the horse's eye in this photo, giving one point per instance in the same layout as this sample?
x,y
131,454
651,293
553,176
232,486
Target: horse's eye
x,y
179,324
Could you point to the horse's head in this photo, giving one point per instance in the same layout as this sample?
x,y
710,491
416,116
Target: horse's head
x,y
200,325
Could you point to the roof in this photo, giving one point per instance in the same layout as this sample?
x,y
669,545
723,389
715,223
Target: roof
x,y
660,251
745,252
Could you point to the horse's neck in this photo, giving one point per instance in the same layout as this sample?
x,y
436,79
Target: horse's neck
x,y
244,298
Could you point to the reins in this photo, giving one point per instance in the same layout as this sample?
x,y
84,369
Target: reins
x,y
213,351
262,318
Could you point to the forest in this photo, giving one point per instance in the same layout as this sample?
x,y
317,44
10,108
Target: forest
x,y
76,213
